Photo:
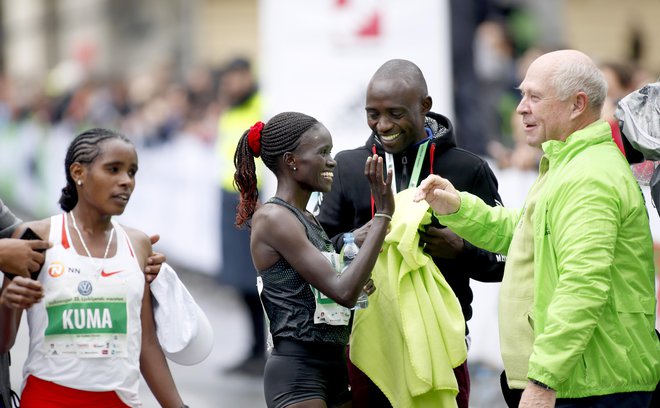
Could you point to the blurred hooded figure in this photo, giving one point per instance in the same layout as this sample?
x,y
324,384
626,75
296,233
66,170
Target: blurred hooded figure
x,y
638,114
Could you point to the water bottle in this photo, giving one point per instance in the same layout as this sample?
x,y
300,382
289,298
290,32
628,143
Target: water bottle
x,y
348,252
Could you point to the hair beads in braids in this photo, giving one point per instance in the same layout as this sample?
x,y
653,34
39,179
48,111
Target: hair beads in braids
x,y
281,134
84,149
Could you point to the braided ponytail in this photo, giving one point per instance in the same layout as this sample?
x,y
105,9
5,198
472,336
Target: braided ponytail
x,y
281,134
245,180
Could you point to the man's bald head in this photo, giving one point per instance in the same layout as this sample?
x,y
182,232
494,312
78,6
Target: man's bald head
x,y
402,70
570,72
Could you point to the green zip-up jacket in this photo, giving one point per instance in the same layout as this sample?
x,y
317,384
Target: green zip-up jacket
x,y
593,311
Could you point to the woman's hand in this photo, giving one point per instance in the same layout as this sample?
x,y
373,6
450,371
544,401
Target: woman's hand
x,y
21,293
381,190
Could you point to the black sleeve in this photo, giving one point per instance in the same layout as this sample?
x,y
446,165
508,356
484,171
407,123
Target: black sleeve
x,y
484,266
485,185
8,221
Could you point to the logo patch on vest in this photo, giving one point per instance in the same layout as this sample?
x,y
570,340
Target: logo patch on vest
x,y
85,288
56,269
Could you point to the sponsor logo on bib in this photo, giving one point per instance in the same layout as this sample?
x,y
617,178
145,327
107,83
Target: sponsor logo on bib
x,y
56,269
107,274
85,288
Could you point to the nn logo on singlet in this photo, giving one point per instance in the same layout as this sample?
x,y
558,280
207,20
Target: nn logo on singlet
x,y
86,318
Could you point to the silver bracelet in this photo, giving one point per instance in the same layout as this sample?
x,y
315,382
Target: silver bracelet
x,y
383,215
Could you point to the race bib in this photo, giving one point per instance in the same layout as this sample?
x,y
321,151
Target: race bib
x,y
90,328
327,310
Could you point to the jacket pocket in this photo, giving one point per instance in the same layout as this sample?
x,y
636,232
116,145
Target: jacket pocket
x,y
636,304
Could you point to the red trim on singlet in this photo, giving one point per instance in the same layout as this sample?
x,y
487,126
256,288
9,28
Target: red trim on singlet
x,y
65,239
39,393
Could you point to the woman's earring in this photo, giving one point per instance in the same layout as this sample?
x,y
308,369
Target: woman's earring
x,y
79,182
294,168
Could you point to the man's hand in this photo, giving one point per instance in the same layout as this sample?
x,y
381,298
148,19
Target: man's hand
x,y
360,234
154,262
441,242
20,257
21,293
439,193
535,396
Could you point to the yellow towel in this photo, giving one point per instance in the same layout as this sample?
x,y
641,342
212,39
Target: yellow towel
x,y
412,334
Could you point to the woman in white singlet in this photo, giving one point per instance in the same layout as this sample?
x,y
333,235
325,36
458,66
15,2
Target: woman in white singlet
x,y
89,309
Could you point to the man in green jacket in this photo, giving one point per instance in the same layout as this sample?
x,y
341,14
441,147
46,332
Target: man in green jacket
x,y
577,303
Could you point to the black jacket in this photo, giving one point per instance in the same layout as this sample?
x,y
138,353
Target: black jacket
x,y
348,205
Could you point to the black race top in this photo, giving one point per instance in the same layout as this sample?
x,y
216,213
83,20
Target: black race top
x,y
288,298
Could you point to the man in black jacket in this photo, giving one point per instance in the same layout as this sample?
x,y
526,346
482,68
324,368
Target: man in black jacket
x,y
415,142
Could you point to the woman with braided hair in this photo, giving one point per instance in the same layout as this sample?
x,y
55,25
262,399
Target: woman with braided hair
x,y
304,296
92,329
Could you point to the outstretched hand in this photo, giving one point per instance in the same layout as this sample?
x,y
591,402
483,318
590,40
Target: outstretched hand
x,y
439,193
381,190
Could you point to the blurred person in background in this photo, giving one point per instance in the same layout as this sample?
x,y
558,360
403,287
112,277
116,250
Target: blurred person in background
x,y
638,120
465,17
89,309
416,142
620,82
622,79
495,66
519,155
619,78
306,300
241,107
577,303
486,38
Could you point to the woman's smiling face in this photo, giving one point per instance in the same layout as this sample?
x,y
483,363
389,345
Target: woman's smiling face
x,y
313,159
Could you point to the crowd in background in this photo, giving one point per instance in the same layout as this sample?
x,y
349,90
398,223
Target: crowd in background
x,y
152,107
155,106
505,41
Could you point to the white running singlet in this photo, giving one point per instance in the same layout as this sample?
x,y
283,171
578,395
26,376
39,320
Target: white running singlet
x,y
86,332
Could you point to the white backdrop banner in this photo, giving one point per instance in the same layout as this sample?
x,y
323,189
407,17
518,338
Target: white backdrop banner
x,y
318,56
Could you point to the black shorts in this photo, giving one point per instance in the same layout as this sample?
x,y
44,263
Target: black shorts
x,y
298,371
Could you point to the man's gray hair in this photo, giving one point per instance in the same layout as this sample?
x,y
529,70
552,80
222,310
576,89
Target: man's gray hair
x,y
571,78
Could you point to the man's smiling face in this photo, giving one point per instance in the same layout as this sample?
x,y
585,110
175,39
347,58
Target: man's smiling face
x,y
396,112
